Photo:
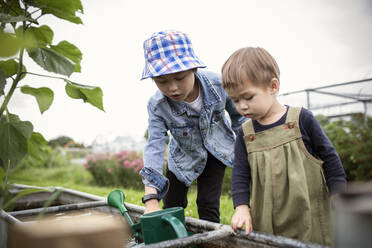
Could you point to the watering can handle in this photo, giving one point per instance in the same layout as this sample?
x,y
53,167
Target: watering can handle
x,y
176,224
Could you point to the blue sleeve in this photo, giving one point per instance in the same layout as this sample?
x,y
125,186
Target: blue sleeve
x,y
241,175
153,155
321,147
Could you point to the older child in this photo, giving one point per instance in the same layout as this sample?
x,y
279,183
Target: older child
x,y
191,105
285,168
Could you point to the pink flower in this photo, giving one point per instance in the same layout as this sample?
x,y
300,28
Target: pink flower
x,y
109,170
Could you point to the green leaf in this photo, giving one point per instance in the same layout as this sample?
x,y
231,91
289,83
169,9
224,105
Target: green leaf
x,y
10,45
51,199
44,96
12,118
23,193
92,95
37,146
70,51
13,139
64,9
51,61
2,82
5,18
13,8
39,36
25,128
10,67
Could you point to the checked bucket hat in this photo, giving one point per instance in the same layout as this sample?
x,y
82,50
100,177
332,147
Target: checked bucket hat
x,y
169,52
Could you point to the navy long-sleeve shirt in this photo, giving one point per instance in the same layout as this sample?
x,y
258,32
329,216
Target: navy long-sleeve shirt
x,y
316,143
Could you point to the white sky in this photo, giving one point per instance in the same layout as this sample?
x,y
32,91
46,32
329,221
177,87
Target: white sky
x,y
315,43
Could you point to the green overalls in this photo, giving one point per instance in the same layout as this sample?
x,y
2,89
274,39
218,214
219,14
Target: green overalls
x,y
289,195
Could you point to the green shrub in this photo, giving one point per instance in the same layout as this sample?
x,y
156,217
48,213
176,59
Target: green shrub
x,y
121,169
127,171
61,141
101,167
51,158
353,142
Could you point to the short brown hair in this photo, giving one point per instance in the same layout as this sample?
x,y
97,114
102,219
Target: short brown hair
x,y
252,63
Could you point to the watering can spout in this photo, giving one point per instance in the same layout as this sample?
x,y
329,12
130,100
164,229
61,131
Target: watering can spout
x,y
116,199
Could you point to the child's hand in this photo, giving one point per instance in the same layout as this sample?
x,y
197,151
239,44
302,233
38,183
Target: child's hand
x,y
240,218
152,206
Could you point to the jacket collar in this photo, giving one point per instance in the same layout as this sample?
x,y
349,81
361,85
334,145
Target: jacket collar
x,y
210,96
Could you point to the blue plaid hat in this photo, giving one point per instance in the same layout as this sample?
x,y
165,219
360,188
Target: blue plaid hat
x,y
168,52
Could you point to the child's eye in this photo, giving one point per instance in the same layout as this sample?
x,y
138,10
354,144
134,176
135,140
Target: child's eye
x,y
179,79
161,81
247,98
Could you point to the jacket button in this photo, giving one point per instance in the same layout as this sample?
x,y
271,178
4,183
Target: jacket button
x,y
251,137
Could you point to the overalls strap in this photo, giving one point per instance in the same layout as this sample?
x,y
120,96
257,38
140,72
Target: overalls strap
x,y
293,115
248,127
248,130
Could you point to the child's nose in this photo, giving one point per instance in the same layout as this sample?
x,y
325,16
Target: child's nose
x,y
172,86
243,105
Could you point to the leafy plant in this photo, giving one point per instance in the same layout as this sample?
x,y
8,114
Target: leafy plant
x,y
127,171
121,169
101,167
60,141
22,35
353,141
51,158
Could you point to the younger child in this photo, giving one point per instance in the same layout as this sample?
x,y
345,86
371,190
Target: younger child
x,y
285,168
191,105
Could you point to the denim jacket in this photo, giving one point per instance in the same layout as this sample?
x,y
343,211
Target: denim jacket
x,y
192,134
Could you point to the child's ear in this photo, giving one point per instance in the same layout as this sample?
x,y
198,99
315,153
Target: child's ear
x,y
274,85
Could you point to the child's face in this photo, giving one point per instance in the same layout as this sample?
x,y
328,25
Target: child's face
x,y
178,86
254,101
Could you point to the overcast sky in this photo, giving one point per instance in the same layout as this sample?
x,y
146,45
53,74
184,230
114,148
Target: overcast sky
x,y
315,43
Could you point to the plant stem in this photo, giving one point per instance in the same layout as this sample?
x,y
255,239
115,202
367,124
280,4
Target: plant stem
x,y
14,84
18,77
41,75
5,183
7,173
65,79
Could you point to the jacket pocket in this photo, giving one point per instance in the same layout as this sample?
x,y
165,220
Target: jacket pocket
x,y
183,136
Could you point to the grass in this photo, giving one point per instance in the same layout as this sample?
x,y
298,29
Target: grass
x,y
77,178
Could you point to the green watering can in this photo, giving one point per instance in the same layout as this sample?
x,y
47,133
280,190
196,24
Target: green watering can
x,y
153,227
